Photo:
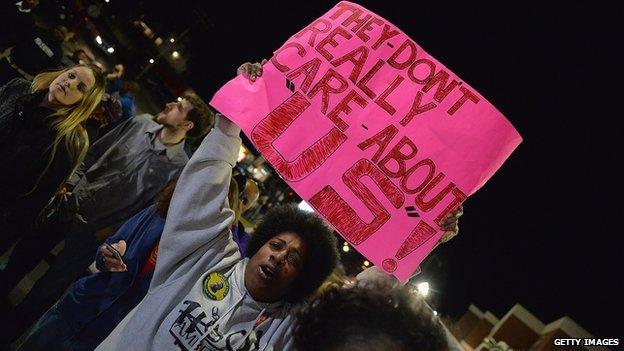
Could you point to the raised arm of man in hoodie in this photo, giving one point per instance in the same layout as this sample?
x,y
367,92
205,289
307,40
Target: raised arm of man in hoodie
x,y
198,216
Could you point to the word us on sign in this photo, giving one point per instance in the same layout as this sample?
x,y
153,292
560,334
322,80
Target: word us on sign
x,y
378,136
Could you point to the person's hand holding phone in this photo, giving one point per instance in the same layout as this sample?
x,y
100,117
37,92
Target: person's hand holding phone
x,y
112,256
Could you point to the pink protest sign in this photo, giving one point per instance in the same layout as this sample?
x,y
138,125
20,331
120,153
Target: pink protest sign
x,y
375,134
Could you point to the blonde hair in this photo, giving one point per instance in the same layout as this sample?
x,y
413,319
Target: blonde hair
x,y
335,280
70,122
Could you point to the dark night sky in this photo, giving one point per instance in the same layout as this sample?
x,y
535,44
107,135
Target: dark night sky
x,y
544,230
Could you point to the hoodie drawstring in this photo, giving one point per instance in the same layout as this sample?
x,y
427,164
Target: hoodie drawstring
x,y
250,332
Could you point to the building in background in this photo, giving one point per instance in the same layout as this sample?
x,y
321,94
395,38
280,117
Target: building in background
x,y
468,321
519,329
480,331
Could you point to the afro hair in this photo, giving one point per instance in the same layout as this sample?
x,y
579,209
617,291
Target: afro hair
x,y
322,255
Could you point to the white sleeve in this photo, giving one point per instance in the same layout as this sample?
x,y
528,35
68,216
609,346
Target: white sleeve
x,y
197,214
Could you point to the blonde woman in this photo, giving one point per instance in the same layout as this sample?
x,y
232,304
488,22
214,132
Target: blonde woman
x,y
42,140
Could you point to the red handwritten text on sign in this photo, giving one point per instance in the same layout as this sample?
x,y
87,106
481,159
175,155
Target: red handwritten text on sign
x,y
378,136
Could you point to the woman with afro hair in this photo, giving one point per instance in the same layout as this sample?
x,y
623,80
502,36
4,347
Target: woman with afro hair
x,y
204,295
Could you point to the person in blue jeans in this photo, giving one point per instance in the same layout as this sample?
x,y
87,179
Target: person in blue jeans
x,y
95,304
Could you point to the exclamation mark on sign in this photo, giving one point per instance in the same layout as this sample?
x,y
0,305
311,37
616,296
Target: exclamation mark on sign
x,y
420,235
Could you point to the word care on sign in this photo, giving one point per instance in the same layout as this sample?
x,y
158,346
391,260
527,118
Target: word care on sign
x,y
377,136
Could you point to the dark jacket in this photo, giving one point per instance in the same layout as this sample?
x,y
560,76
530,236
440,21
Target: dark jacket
x,y
95,304
26,142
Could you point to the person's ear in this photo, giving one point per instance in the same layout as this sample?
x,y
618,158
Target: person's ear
x,y
189,125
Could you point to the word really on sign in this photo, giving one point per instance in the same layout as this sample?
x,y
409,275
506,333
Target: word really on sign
x,y
378,136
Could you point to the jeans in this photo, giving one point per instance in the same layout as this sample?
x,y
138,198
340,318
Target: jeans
x,y
51,333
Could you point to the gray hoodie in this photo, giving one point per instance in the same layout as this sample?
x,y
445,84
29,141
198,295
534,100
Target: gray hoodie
x,y
197,298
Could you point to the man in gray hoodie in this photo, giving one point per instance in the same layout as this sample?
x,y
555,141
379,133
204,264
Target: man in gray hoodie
x,y
204,295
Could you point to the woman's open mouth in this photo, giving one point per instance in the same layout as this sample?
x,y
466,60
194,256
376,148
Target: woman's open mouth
x,y
266,272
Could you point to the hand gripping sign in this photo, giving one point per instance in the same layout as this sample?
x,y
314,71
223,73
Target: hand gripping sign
x,y
378,136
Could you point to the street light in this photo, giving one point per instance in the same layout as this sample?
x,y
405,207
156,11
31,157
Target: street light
x,y
110,50
345,248
151,60
98,39
175,54
172,40
423,288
